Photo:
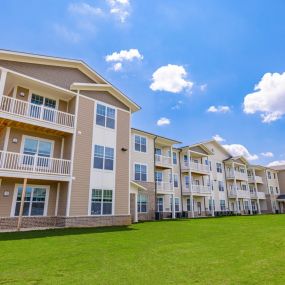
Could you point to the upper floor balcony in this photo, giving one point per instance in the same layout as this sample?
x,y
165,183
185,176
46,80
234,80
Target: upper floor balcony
x,y
195,167
257,195
21,165
26,112
163,161
233,174
255,179
239,193
200,190
163,187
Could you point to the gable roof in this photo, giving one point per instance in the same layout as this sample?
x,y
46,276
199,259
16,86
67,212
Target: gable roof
x,y
71,63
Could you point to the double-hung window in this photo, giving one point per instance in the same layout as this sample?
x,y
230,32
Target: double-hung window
x,y
219,167
103,157
174,157
269,175
158,176
221,186
101,202
37,102
187,181
140,143
177,204
34,201
244,187
175,180
211,204
142,203
140,172
223,205
188,204
105,116
159,203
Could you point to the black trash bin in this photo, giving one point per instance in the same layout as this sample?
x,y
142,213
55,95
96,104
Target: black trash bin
x,y
158,215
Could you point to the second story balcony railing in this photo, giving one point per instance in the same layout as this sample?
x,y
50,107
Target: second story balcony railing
x,y
163,160
253,179
239,193
231,174
257,195
162,186
197,189
195,166
37,113
24,163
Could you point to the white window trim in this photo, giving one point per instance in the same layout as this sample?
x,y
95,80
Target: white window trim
x,y
42,94
175,204
147,203
110,106
99,169
175,175
134,144
47,187
134,169
161,197
90,202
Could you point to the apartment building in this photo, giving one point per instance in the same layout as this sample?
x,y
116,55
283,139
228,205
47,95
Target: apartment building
x,y
69,157
64,144
280,198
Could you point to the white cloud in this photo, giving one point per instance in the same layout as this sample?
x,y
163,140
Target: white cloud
x,y
267,154
203,87
163,121
177,106
67,34
268,98
276,163
84,9
170,78
218,138
218,109
120,8
124,55
117,66
240,150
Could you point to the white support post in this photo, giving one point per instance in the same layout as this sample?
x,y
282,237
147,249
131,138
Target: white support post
x,y
173,206
136,208
172,184
190,184
57,199
22,205
235,186
258,205
247,187
3,77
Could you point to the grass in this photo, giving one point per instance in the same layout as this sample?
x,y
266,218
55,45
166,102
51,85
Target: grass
x,y
232,250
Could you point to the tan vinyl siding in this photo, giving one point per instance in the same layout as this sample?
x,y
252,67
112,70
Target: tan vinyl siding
x,y
21,90
105,97
62,106
122,164
57,75
62,199
82,159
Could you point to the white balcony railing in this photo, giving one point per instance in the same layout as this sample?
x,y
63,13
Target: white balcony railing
x,y
164,186
197,189
257,195
163,160
36,112
237,175
194,166
18,162
257,179
233,193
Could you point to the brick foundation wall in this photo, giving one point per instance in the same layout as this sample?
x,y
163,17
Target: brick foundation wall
x,y
7,223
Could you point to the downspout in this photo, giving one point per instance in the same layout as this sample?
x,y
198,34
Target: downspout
x,y
180,181
155,187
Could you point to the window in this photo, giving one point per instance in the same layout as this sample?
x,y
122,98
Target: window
x,y
105,116
158,176
221,186
37,151
176,204
219,167
208,162
36,110
142,203
140,143
246,205
244,187
159,202
242,170
188,204
269,175
34,202
101,202
158,151
277,191
223,205
274,176
271,190
251,189
175,180
140,172
186,178
174,158
103,157
185,158
211,204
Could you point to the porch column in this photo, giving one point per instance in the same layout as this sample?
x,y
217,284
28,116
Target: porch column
x,y
57,198
136,208
2,81
258,206
22,204
235,186
173,206
190,184
250,207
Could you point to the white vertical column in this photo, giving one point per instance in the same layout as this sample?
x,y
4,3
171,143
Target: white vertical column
x,y
136,208
3,77
190,184
57,198
235,187
247,187
172,184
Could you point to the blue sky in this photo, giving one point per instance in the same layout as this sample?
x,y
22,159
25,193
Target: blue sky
x,y
187,56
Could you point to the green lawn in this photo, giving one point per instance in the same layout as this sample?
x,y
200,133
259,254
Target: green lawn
x,y
232,250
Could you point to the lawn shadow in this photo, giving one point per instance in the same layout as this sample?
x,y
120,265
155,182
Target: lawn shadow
x,y
61,232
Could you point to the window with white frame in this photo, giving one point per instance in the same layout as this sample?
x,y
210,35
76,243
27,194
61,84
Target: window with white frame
x,y
140,172
219,167
187,181
221,186
35,201
158,151
274,176
105,116
142,203
174,157
159,203
158,176
223,205
277,190
101,202
103,157
177,204
140,143
243,187
246,205
175,180
211,204
242,170
269,174
188,204
271,190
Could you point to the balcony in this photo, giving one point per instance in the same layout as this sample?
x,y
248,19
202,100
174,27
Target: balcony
x,y
164,187
20,165
256,179
195,167
25,112
236,175
239,193
257,195
163,161
197,190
